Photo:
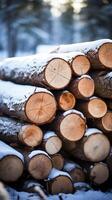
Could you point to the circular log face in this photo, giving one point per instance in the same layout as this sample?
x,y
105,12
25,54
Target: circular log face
x,y
80,65
40,108
61,184
105,54
97,108
99,173
86,87
31,135
97,147
58,161
107,121
72,127
53,145
77,175
11,168
67,101
58,73
40,166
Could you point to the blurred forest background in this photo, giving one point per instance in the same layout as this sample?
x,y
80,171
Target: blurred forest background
x,y
27,25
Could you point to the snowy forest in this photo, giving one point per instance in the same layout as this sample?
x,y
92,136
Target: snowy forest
x,y
25,25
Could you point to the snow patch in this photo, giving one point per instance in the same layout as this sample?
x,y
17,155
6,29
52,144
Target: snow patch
x,y
73,111
91,131
55,173
38,152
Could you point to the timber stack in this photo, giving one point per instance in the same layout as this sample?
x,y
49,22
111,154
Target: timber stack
x,y
56,119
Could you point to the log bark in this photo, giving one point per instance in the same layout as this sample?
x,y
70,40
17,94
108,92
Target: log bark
x,y
39,164
99,52
13,131
82,87
57,161
65,100
95,107
52,144
109,163
94,146
103,84
75,171
11,163
27,102
59,182
48,70
70,125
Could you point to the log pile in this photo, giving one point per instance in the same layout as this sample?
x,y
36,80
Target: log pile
x,y
56,119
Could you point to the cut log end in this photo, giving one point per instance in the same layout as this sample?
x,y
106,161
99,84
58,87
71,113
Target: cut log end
x,y
62,184
40,166
80,65
99,173
67,101
97,108
11,168
97,147
72,127
105,55
77,175
58,73
40,108
53,145
86,87
107,121
31,135
58,161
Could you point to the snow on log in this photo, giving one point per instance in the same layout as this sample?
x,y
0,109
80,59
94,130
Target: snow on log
x,y
13,131
28,103
70,125
59,182
11,163
39,164
94,146
82,87
99,52
51,143
49,70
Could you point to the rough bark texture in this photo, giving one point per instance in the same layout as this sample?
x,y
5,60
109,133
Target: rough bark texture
x,y
26,102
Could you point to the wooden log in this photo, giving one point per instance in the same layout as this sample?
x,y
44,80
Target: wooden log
x,y
49,70
27,102
69,146
39,164
65,100
70,125
13,131
59,182
52,144
57,161
3,192
82,87
109,162
95,107
11,163
94,146
35,187
99,52
103,84
75,171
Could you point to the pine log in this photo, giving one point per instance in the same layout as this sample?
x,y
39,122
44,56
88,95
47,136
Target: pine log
x,y
69,146
109,163
49,70
103,84
11,163
52,144
27,102
82,87
95,107
65,100
94,146
59,182
35,187
13,131
75,171
57,161
70,125
99,52
39,164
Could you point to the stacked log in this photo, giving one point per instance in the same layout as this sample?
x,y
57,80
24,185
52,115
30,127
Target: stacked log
x,y
56,119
